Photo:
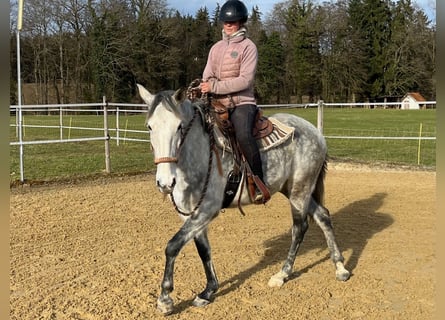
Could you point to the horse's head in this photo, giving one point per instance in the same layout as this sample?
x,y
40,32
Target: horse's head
x,y
169,112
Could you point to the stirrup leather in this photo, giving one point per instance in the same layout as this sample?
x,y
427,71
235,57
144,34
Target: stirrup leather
x,y
255,184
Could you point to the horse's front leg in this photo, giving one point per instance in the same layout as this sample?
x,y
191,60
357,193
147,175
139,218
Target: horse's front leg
x,y
203,247
188,231
165,302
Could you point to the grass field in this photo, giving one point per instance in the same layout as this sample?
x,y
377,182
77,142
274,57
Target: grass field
x,y
380,123
44,162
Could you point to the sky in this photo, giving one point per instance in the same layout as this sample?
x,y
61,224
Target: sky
x,y
265,6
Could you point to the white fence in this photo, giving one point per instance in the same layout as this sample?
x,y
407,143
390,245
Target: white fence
x,y
119,132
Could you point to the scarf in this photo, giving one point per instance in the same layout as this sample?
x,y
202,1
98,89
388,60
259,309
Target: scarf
x,y
242,32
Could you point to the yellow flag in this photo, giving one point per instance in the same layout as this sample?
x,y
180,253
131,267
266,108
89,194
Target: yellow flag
x,y
20,15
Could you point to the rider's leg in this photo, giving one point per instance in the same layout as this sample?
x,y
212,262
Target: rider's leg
x,y
243,120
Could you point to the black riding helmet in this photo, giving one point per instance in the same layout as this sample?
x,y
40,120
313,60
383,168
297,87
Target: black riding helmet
x,y
233,10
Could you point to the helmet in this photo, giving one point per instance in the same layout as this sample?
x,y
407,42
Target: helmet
x,y
233,10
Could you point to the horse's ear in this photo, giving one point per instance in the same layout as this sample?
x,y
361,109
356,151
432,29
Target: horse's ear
x,y
145,94
180,95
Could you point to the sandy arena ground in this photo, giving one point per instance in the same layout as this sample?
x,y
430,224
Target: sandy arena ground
x,y
95,250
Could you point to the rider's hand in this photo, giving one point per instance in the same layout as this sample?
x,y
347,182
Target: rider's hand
x,y
205,87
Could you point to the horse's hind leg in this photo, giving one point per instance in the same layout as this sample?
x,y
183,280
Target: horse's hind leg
x,y
299,228
203,247
323,219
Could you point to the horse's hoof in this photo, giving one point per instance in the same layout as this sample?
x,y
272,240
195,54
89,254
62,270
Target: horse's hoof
x,y
200,302
277,280
165,306
342,275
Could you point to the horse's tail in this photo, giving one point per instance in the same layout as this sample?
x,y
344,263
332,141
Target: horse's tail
x,y
318,193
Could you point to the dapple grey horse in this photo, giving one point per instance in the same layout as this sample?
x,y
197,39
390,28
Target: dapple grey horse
x,y
189,171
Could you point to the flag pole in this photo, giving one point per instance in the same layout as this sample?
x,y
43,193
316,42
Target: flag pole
x,y
19,88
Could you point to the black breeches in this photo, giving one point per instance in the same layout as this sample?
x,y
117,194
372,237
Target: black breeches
x,y
243,120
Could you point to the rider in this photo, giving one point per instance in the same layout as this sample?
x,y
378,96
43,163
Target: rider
x,y
229,76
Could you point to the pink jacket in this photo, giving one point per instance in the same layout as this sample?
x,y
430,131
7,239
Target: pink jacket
x,y
231,68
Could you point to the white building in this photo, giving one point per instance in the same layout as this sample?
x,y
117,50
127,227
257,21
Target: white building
x,y
412,101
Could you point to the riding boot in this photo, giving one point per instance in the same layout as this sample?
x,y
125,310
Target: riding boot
x,y
257,172
253,157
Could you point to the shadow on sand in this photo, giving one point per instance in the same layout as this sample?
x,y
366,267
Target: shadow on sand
x,y
354,225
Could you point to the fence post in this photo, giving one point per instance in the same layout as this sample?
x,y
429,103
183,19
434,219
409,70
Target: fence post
x,y
418,148
60,122
117,126
320,116
17,121
107,136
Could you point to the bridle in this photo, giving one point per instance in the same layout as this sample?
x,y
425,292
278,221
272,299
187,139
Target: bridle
x,y
212,148
184,134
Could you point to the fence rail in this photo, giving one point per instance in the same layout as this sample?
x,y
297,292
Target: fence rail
x,y
110,124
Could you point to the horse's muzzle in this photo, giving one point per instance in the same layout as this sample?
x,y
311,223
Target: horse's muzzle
x,y
164,188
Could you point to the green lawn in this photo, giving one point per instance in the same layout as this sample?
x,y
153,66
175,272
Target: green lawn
x,y
355,122
73,159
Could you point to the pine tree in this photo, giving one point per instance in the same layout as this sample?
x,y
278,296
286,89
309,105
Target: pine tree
x,y
370,21
303,45
270,74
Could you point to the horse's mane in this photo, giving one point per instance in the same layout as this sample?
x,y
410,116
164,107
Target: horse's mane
x,y
203,108
166,95
185,108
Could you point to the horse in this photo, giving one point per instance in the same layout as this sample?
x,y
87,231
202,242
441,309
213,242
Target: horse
x,y
193,173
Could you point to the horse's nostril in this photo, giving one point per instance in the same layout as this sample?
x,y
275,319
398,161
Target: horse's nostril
x,y
166,187
173,183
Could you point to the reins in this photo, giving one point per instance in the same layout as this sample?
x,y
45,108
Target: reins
x,y
209,170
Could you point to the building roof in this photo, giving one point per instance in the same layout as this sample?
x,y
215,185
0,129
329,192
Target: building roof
x,y
415,95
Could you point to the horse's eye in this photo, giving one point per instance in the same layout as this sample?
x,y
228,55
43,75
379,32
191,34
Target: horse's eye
x,y
148,127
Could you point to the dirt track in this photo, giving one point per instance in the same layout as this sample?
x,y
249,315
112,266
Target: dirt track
x,y
94,250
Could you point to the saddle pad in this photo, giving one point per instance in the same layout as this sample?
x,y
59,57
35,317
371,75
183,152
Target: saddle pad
x,y
279,134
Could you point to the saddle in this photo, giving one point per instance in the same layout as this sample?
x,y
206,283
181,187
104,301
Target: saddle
x,y
263,127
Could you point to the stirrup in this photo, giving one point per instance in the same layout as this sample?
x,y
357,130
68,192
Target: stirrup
x,y
258,199
261,194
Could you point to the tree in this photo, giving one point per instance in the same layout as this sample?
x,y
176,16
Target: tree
x,y
36,28
270,75
410,56
371,22
347,50
302,27
196,40
255,25
342,70
216,24
156,46
75,49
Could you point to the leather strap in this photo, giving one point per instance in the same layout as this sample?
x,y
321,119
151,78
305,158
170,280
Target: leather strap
x,y
262,187
165,159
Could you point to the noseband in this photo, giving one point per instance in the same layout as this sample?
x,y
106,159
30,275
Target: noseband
x,y
165,160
